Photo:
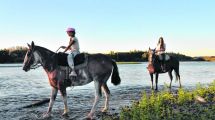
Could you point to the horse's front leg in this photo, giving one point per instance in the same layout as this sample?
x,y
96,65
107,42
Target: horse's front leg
x,y
51,102
151,75
64,96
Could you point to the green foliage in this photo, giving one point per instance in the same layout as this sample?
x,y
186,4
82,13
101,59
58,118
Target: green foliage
x,y
184,96
166,105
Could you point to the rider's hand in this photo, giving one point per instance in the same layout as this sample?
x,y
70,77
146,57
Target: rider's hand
x,y
63,47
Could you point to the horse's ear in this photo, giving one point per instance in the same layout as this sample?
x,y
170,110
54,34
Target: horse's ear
x,y
29,46
32,44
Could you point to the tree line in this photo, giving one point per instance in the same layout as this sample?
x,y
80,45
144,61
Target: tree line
x,y
13,55
142,56
17,54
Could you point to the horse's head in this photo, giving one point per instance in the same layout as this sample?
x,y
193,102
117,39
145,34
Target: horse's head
x,y
151,55
31,58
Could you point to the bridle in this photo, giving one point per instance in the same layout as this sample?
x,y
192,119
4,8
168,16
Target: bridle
x,y
37,65
153,56
34,66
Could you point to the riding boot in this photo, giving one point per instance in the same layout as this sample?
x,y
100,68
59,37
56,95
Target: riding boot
x,y
73,73
71,65
163,67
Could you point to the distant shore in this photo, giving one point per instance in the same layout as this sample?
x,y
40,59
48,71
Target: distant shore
x,y
17,54
209,58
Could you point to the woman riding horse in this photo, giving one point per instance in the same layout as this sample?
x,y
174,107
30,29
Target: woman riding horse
x,y
160,51
157,63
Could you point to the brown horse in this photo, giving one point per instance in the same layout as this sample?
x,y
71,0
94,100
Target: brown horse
x,y
170,65
97,68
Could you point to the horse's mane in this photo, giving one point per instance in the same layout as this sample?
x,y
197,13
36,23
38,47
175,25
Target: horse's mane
x,y
43,49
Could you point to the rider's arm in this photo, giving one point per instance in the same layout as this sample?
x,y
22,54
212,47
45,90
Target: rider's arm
x,y
70,44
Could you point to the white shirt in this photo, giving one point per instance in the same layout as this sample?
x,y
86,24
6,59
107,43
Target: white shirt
x,y
75,45
159,50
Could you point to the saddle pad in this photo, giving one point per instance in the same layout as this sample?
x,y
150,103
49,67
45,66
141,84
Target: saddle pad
x,y
62,59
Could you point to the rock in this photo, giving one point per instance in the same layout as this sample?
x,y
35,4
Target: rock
x,y
200,99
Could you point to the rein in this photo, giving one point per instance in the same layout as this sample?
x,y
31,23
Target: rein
x,y
35,66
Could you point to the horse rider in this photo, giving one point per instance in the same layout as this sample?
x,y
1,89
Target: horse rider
x,y
73,47
160,51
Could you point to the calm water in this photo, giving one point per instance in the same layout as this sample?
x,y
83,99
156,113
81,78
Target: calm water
x,y
15,82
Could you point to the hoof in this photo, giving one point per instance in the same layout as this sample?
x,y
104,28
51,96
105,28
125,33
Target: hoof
x,y
46,115
89,116
104,110
65,114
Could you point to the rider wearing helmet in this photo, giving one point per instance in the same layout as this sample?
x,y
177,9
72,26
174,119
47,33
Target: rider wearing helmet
x,y
73,47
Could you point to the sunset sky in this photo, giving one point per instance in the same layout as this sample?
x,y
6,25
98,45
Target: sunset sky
x,y
187,26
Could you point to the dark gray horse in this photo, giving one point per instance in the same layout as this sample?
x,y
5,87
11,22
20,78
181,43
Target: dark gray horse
x,y
170,65
98,69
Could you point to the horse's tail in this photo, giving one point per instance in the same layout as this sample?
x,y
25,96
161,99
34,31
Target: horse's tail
x,y
115,79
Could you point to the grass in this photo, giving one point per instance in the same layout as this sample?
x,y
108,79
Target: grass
x,y
128,62
178,106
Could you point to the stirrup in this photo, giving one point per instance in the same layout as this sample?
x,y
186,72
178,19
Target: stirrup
x,y
73,74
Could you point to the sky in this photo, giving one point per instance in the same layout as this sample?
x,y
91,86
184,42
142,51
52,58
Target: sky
x,y
187,26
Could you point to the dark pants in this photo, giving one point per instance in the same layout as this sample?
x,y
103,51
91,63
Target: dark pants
x,y
163,61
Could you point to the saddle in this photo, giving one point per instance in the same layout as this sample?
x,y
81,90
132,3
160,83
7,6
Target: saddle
x,y
78,60
166,58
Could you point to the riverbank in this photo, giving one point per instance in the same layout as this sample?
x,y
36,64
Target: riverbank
x,y
198,103
126,103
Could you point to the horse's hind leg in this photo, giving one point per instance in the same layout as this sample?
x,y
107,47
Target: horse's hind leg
x,y
107,97
180,82
170,76
98,95
179,79
178,76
